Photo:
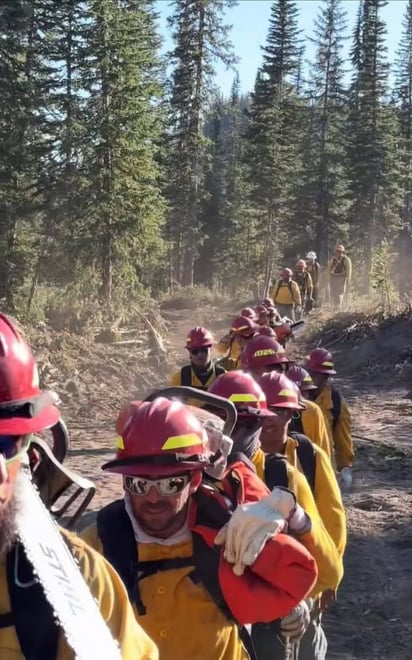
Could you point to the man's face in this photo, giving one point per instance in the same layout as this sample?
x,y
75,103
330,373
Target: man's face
x,y
201,357
319,380
160,503
339,254
274,430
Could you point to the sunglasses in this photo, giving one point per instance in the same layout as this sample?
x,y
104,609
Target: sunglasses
x,y
13,446
199,351
167,486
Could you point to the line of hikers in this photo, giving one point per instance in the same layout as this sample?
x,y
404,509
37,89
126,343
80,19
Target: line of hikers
x,y
228,541
298,291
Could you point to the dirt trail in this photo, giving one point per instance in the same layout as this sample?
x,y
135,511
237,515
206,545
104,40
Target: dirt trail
x,y
372,619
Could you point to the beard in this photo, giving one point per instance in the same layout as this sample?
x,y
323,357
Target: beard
x,y
8,531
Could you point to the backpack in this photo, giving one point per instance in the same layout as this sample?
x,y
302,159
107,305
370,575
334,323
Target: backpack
x,y
336,406
113,523
31,614
276,473
279,284
186,375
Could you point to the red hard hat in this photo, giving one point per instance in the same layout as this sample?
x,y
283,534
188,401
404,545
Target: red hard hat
x,y
160,437
283,332
267,302
249,313
241,389
262,351
301,377
243,326
301,264
320,361
280,392
199,337
24,408
340,248
267,331
286,272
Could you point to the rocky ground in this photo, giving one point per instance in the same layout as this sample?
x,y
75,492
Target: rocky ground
x,y
372,619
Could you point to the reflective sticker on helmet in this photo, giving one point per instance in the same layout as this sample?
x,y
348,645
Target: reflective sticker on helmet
x,y
180,441
327,364
243,398
119,443
287,393
264,351
242,327
35,382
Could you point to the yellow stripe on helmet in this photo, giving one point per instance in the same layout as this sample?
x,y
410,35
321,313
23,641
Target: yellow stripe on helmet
x,y
327,364
287,393
181,441
242,327
243,398
119,443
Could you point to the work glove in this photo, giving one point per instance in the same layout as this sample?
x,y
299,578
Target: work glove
x,y
345,479
248,530
220,445
285,502
294,625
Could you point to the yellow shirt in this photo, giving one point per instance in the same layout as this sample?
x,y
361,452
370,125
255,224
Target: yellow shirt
x,y
108,590
314,426
287,293
318,541
327,494
341,435
176,380
181,617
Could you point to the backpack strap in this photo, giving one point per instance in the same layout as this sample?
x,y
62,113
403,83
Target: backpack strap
x,y
295,425
186,376
276,471
336,406
307,458
31,614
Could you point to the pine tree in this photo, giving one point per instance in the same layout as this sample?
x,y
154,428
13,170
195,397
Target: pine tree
x,y
121,224
403,101
322,199
372,137
201,38
272,135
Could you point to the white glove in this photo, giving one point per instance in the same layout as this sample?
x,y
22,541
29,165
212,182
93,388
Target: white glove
x,y
284,501
247,532
294,625
346,478
218,442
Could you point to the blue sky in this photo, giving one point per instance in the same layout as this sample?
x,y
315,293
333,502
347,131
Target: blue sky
x,y
250,23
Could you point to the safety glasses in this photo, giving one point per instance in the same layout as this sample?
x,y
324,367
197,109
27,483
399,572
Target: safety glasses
x,y
199,351
13,446
166,486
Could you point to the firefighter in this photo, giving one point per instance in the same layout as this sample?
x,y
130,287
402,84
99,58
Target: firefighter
x,y
340,275
320,365
313,268
309,421
194,570
201,371
304,282
231,345
262,313
29,627
286,295
312,461
250,401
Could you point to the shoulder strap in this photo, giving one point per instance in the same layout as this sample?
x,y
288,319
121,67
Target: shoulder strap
x,y
31,615
307,458
279,284
276,471
219,369
336,406
186,376
295,424
113,524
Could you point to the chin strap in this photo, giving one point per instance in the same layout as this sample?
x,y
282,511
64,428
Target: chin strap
x,y
65,589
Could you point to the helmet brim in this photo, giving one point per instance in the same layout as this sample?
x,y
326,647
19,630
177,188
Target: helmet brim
x,y
47,418
328,372
149,469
